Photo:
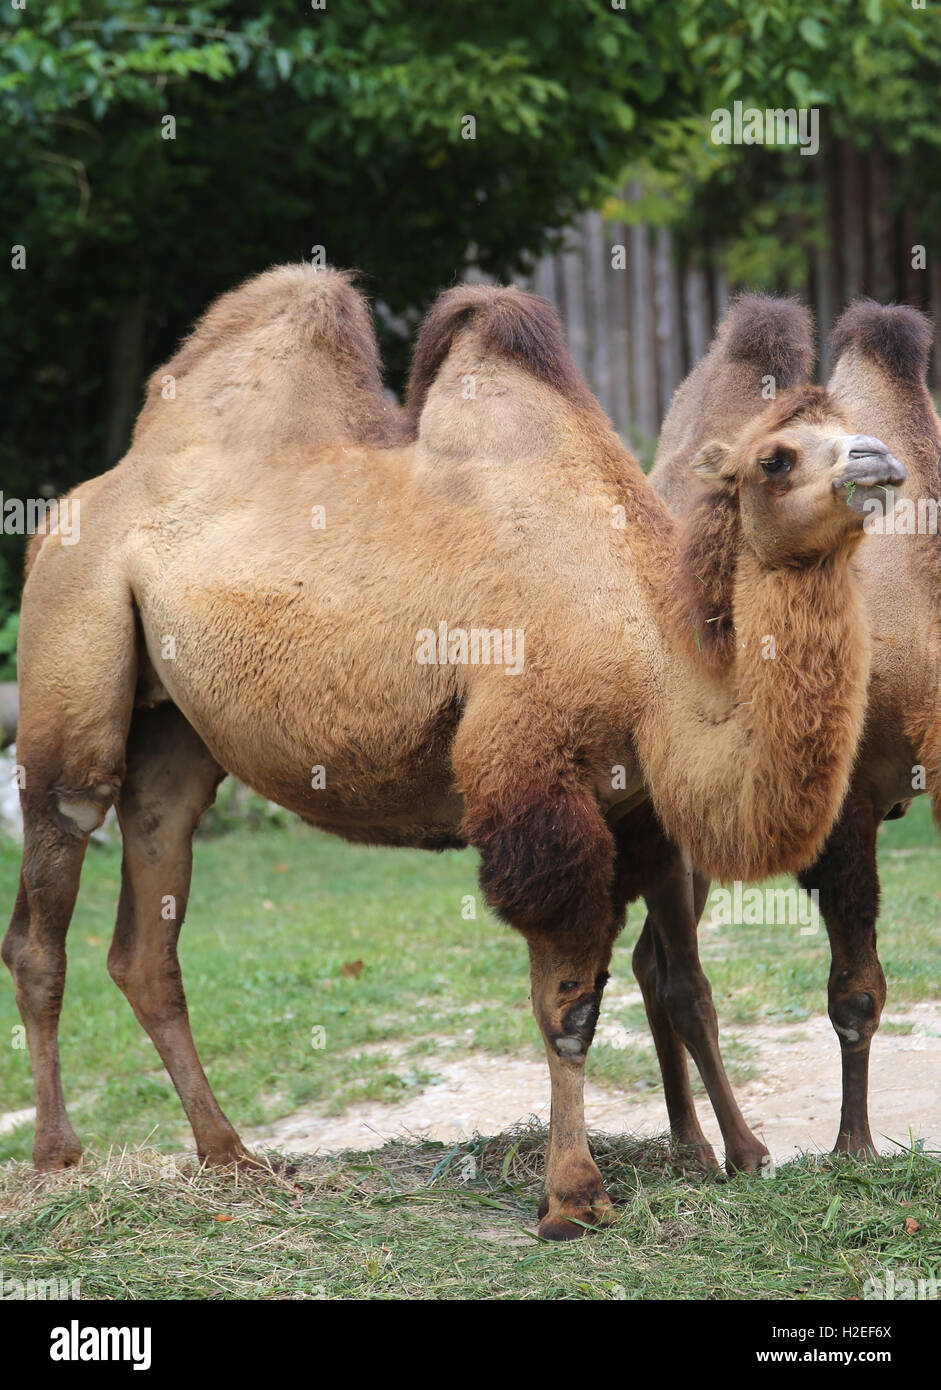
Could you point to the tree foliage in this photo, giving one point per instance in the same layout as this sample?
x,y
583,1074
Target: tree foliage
x,y
343,127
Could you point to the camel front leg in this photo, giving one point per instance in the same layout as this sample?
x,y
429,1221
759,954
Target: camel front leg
x,y
566,990
681,987
671,1054
547,867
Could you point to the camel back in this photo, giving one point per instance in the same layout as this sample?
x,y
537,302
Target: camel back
x,y
288,358
761,337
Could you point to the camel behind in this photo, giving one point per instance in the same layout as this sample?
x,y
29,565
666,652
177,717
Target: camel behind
x,y
880,356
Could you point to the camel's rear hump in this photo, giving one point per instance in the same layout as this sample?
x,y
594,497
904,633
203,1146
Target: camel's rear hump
x,y
288,358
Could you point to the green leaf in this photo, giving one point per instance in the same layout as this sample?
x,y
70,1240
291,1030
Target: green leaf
x,y
799,83
812,32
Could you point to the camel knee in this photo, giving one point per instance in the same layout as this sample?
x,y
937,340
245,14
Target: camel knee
x,y
119,966
38,974
127,970
689,1007
10,947
152,984
572,1028
567,1013
855,1006
83,809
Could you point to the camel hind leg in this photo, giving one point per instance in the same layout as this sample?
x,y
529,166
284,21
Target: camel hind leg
x,y
847,879
34,952
77,677
171,780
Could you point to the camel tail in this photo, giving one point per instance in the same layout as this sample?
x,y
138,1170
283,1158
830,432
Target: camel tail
x,y
774,332
521,327
896,336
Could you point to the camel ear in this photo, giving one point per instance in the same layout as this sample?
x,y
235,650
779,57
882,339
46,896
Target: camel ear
x,y
712,465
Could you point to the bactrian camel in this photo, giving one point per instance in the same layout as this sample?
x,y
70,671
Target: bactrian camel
x,y
880,357
204,625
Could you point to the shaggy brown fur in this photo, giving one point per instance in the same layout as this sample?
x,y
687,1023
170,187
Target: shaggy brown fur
x,y
546,858
895,336
704,586
523,328
205,626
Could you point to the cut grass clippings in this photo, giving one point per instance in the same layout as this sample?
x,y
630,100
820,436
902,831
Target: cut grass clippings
x,y
427,1220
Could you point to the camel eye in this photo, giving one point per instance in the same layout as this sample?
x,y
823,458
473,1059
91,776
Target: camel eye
x,y
778,463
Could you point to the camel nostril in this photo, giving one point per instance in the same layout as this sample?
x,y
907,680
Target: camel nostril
x,y
868,463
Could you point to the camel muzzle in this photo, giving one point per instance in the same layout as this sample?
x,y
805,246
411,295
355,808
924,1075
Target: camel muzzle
x,y
868,468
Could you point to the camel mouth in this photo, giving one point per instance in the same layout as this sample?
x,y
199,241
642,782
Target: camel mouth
x,y
869,471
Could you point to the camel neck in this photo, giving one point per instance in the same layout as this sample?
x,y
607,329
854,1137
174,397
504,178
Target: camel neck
x,y
748,764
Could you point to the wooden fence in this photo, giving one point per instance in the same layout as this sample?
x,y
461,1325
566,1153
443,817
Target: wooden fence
x,y
636,331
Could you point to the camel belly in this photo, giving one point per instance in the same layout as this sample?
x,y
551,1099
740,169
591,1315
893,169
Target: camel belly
x,y
329,718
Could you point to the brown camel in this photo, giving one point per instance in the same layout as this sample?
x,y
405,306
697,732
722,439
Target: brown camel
x,y
285,580
880,356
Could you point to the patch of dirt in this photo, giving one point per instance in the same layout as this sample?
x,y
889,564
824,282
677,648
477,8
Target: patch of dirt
x,y
12,1118
794,1105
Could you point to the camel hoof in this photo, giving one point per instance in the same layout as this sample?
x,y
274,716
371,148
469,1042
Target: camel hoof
x,y
53,1158
856,1146
754,1159
573,1219
235,1157
702,1156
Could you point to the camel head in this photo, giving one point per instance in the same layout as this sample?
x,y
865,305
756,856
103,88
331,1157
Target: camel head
x,y
801,479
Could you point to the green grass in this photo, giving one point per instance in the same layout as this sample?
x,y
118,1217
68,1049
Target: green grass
x,y
408,1222
276,913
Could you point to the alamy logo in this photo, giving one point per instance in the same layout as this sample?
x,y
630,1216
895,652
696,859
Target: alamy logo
x,y
25,516
476,646
901,516
77,1343
890,1288
788,907
775,126
37,1290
